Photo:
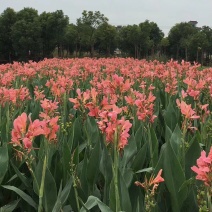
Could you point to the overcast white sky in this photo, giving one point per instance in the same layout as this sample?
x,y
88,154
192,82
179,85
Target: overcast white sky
x,y
166,13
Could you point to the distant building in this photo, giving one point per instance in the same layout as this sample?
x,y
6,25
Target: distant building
x,y
117,51
193,23
118,28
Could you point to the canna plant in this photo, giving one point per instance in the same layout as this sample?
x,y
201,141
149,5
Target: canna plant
x,y
105,135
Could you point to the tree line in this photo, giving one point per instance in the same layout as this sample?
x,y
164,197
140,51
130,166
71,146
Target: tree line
x,y
26,35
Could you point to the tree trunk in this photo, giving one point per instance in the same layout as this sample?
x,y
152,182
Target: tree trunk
x,y
135,52
186,53
202,57
197,56
177,55
92,50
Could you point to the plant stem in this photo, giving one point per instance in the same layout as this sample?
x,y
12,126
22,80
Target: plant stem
x,y
183,144
76,193
116,164
40,207
209,199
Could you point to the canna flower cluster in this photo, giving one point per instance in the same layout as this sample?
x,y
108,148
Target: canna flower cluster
x,y
150,187
51,121
23,133
186,110
109,124
204,168
152,184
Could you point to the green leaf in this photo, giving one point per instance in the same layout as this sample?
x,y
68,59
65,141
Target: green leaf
x,y
62,196
174,178
23,179
76,135
92,202
124,195
140,158
170,116
150,169
3,162
93,165
92,130
129,151
106,170
176,141
58,204
10,206
65,192
23,195
153,145
67,208
140,136
50,190
192,154
66,158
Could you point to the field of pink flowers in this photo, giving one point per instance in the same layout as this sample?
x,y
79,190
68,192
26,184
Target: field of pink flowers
x,y
105,135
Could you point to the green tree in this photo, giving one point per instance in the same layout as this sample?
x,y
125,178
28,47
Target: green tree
x,y
179,37
208,50
53,29
87,27
198,44
164,43
26,34
71,39
152,35
106,38
129,40
7,20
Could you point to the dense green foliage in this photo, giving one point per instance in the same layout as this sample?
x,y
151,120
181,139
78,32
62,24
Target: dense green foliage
x,y
26,35
108,134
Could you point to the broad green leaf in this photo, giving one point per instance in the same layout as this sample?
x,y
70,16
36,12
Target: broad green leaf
x,y
10,206
92,130
62,196
66,158
92,202
67,208
170,116
83,177
76,135
129,151
192,154
93,165
150,169
140,136
23,195
168,134
106,170
4,158
24,180
174,178
140,158
127,174
153,146
58,204
124,195
176,141
50,190
65,192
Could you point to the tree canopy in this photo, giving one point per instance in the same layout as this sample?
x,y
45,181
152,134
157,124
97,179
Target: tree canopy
x,y
27,35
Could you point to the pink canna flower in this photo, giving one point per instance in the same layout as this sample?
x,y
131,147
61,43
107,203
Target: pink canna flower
x,y
50,129
49,108
204,168
22,135
186,110
158,179
152,182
